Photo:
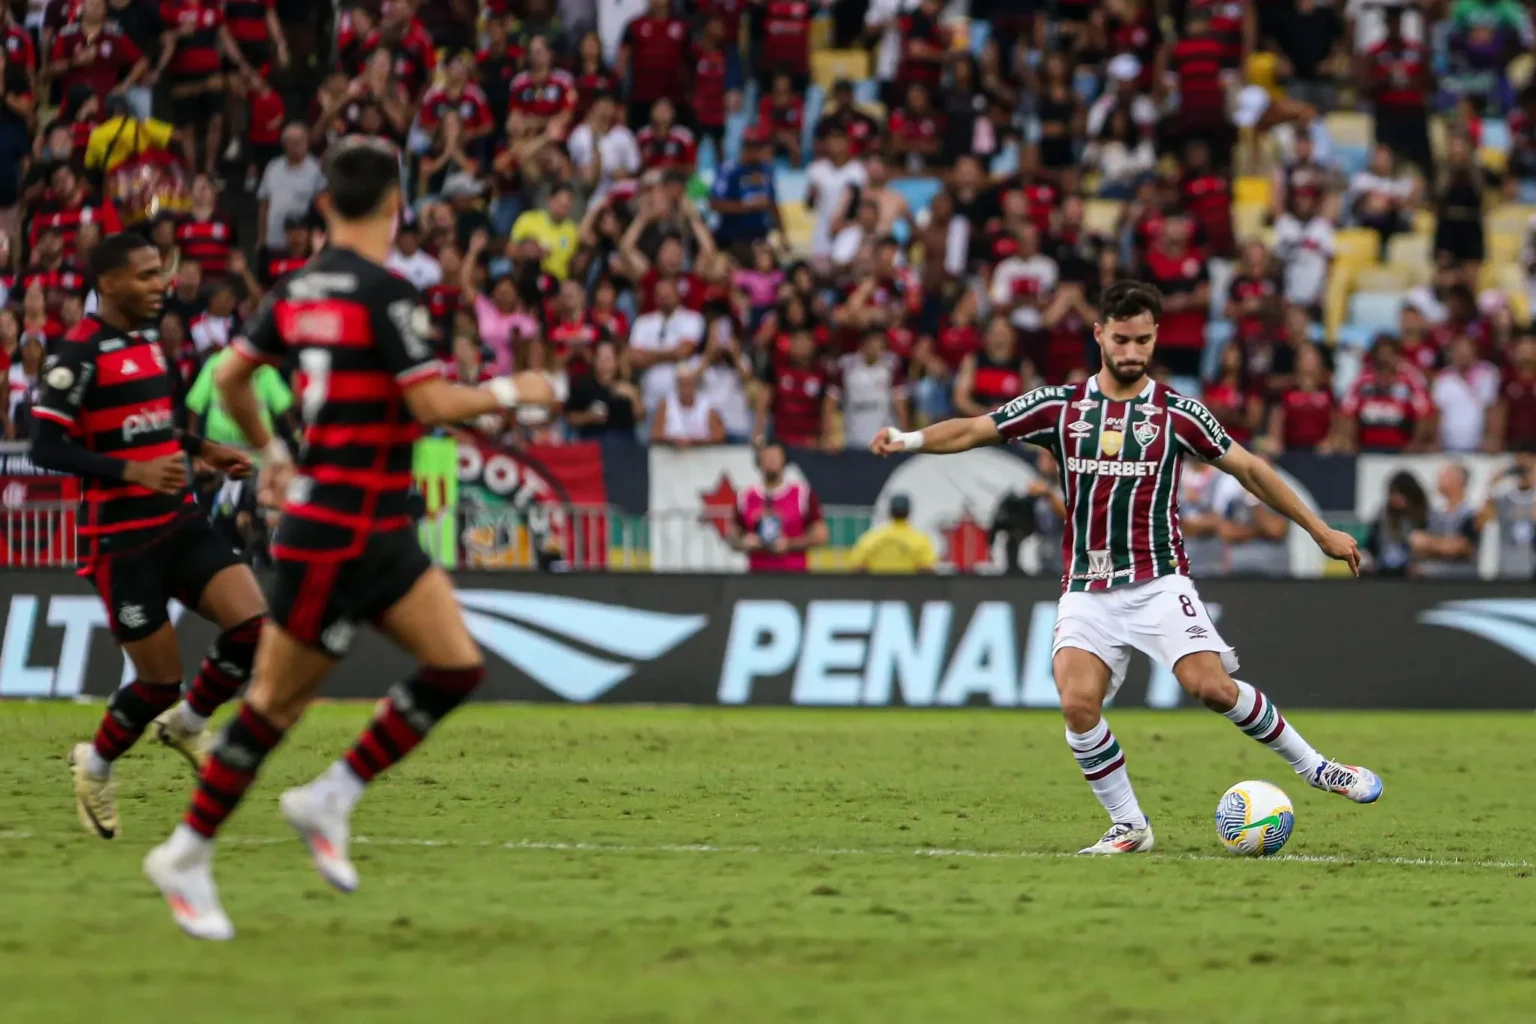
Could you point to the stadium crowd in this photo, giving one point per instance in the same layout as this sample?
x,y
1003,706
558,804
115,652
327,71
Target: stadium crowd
x,y
726,220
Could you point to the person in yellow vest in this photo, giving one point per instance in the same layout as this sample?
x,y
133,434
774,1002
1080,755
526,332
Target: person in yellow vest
x,y
895,547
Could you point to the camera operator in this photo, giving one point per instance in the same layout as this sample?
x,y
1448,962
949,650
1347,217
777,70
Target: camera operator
x,y
1511,502
1039,511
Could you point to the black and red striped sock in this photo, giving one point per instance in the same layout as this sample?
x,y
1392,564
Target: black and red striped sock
x,y
236,759
129,713
226,668
408,714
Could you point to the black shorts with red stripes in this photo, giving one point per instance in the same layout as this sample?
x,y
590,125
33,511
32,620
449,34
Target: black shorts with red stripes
x,y
321,603
138,585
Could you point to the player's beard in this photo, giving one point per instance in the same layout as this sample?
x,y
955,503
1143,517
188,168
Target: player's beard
x,y
1126,373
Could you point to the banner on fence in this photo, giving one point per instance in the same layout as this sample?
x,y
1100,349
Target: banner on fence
x,y
836,641
512,504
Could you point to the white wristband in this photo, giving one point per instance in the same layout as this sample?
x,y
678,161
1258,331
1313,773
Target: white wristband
x,y
276,453
504,390
911,440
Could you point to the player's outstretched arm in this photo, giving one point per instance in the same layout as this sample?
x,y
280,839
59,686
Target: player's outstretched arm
x,y
434,401
944,438
1261,480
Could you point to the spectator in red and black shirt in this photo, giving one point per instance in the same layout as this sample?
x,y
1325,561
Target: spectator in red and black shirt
x,y
862,130
572,333
205,236
1302,419
1207,196
916,129
782,113
799,396
20,51
69,204
592,75
663,143
497,65
1386,409
1253,294
95,53
1197,59
923,45
1179,271
544,94
457,93
294,254
193,47
654,57
256,30
787,42
708,88
1399,82
49,270
403,36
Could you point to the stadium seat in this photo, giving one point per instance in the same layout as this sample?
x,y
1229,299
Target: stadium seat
x,y
918,192
1494,160
790,185
827,66
1509,280
1351,159
1505,246
1437,135
1348,128
1424,223
1350,336
1496,134
866,90
1356,246
1376,311
1102,216
814,100
821,34
799,222
1346,367
1253,191
1386,277
1411,251
1248,222
1514,217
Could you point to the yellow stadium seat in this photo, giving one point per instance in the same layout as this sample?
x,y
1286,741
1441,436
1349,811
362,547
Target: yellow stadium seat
x,y
1248,222
1505,246
1384,278
1348,128
828,66
1356,246
1410,251
1424,223
799,222
1102,216
1508,279
1437,134
1495,160
1335,304
1512,217
1253,191
821,34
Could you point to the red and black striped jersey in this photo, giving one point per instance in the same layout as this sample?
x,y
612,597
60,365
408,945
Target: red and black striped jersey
x,y
415,56
19,49
66,277
111,392
66,218
209,242
549,96
358,336
248,20
197,53
473,108
673,148
275,267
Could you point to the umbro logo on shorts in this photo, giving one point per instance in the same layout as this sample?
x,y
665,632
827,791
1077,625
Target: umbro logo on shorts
x,y
1196,631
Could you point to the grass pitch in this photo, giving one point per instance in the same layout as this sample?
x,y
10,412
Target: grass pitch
x,y
655,865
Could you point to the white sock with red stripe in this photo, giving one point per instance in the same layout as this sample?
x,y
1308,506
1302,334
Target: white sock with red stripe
x,y
1103,765
1258,718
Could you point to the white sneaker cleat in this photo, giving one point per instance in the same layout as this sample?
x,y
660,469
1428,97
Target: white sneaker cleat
x,y
172,731
95,795
322,824
1361,785
1123,837
185,877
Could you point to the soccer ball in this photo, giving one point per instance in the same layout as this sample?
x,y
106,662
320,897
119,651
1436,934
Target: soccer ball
x,y
1254,819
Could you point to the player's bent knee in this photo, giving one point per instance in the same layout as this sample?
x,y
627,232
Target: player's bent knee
x,y
1203,678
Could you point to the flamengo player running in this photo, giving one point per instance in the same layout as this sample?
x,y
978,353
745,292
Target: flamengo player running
x,y
346,549
1120,437
105,415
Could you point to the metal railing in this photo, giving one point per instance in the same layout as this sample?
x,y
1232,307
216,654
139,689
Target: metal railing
x,y
40,534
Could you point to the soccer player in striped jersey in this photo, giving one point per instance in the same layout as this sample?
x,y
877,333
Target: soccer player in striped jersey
x,y
105,414
346,550
1120,438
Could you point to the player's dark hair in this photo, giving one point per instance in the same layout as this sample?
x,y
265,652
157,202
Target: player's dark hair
x,y
115,252
359,173
1126,299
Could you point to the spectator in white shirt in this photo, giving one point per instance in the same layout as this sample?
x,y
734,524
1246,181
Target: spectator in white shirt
x,y
685,417
1304,246
832,183
411,262
724,377
660,340
1023,282
849,242
1121,154
210,331
602,149
1381,197
1125,92
1464,392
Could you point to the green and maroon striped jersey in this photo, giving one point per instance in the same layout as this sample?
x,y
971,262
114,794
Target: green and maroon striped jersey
x,y
1119,472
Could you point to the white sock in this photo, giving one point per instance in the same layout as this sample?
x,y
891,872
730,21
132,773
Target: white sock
x,y
186,843
1259,719
1103,765
341,784
96,766
191,719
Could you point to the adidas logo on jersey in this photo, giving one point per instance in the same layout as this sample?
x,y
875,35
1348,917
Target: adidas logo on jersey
x,y
129,366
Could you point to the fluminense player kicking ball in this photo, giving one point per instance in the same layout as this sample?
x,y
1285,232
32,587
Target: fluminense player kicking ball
x,y
1120,438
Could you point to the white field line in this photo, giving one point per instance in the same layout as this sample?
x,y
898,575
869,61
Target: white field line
x,y
827,851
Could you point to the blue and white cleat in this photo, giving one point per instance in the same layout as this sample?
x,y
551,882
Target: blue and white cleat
x,y
1361,785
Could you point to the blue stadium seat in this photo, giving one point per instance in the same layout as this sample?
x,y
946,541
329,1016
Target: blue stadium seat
x,y
1218,335
1351,159
814,98
866,91
1353,336
918,192
790,184
1496,135
1376,311
981,31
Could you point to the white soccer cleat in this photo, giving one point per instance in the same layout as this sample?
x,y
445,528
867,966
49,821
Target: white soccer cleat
x,y
1123,838
1361,785
171,731
95,795
185,878
321,821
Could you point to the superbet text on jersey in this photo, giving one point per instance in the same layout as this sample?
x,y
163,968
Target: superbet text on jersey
x,y
1120,465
